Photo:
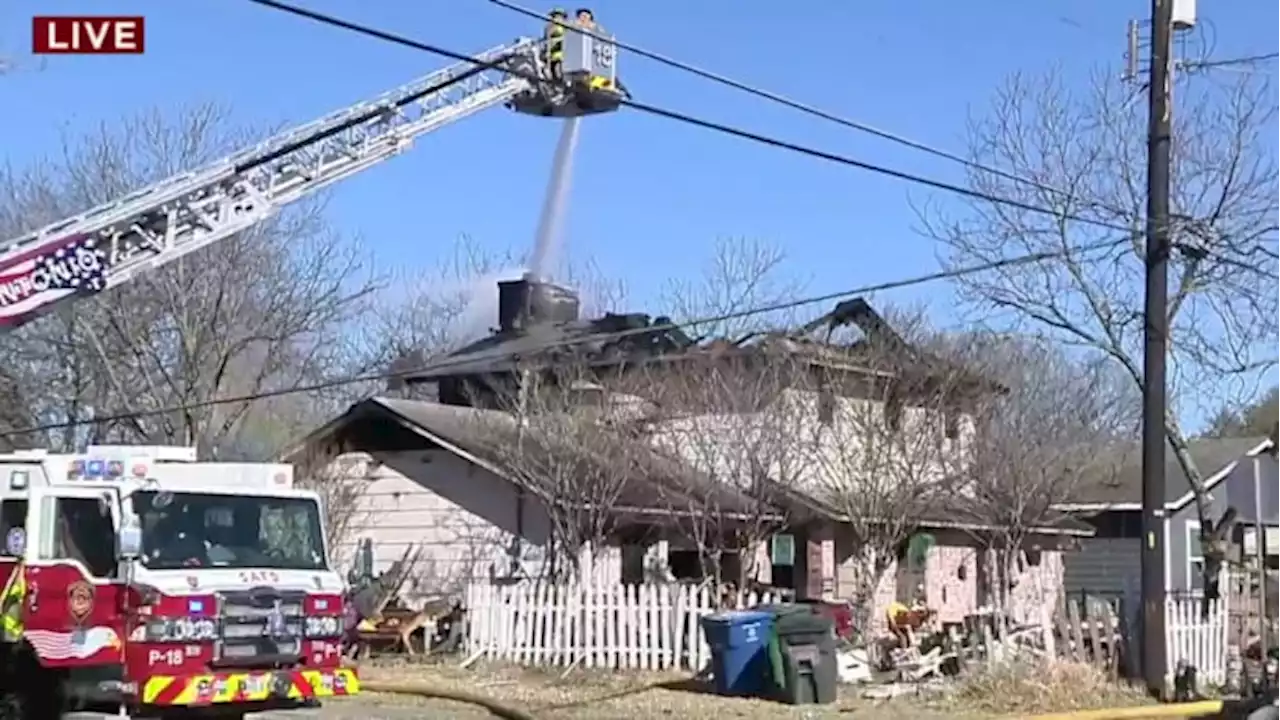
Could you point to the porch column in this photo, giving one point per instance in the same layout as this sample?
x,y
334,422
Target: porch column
x,y
656,566
820,562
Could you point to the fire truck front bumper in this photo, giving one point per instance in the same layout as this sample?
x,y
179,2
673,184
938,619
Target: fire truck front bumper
x,y
265,686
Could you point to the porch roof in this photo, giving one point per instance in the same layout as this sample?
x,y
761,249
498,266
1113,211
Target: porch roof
x,y
939,519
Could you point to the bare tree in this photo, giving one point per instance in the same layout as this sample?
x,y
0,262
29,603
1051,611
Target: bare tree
x,y
1257,417
1085,154
741,274
1039,438
341,482
261,311
556,440
728,414
892,414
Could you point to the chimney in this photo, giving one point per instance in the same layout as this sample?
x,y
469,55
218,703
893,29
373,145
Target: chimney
x,y
527,302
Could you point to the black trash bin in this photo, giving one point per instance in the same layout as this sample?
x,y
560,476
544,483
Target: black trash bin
x,y
809,671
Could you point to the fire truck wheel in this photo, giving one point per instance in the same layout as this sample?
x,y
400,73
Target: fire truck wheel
x,y
23,705
36,696
10,706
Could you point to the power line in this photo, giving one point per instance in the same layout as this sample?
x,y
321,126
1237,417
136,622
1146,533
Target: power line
x,y
687,119
446,363
795,104
1203,64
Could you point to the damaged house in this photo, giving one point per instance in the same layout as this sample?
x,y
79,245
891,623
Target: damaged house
x,y
684,457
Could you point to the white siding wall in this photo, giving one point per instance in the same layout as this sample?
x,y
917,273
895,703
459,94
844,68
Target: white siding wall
x,y
820,457
463,517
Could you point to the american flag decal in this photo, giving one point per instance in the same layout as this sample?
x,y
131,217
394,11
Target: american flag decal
x,y
37,277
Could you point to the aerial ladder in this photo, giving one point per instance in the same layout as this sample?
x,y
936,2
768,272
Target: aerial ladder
x,y
109,245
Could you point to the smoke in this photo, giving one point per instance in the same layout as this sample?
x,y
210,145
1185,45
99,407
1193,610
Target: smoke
x,y
551,223
480,303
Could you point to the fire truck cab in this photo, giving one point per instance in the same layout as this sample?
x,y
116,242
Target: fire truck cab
x,y
139,580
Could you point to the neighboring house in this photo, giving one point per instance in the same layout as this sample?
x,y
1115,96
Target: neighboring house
x,y
1109,563
432,482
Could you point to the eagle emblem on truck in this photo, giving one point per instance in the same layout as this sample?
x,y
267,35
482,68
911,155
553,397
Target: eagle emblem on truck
x,y
79,600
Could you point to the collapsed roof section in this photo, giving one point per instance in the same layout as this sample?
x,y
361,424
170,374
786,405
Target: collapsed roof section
x,y
539,326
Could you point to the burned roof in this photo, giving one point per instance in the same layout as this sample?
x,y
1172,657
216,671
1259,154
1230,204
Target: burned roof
x,y
607,340
613,339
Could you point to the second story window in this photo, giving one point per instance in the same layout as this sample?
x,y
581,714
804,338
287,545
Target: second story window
x,y
951,424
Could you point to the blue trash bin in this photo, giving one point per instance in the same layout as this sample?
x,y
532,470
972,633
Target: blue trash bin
x,y
739,641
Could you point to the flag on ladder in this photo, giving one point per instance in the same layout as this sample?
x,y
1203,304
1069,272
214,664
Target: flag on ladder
x,y
34,278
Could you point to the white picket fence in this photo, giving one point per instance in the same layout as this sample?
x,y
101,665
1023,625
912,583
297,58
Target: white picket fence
x,y
1197,638
655,627
644,627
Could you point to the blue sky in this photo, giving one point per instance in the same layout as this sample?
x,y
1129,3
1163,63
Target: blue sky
x,y
649,195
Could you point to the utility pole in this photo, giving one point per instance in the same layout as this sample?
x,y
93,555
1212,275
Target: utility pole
x,y
1155,344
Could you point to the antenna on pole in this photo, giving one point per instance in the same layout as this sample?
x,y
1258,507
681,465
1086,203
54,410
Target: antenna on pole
x,y
1138,40
1133,46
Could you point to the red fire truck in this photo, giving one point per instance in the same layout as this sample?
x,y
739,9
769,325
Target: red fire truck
x,y
140,581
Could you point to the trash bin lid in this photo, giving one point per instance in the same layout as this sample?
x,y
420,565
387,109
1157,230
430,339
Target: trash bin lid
x,y
737,617
778,610
804,623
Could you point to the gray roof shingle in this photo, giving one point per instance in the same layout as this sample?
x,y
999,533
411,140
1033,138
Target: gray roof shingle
x,y
661,483
1118,479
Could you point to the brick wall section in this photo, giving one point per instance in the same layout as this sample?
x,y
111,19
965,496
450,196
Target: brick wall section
x,y
955,594
1038,588
951,581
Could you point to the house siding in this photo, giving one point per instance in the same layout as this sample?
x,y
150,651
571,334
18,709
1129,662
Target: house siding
x,y
1103,566
815,451
1111,561
1240,490
465,520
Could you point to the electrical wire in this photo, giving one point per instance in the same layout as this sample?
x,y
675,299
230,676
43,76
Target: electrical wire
x,y
687,119
793,104
447,362
1246,60
595,337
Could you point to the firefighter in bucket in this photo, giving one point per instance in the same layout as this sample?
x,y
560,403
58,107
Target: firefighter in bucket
x,y
554,38
579,61
593,77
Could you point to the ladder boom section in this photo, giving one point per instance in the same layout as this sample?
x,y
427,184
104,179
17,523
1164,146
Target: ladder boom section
x,y
111,244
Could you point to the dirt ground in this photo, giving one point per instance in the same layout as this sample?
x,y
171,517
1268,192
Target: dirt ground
x,y
633,695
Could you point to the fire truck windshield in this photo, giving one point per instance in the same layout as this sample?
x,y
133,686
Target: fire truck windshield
x,y
195,530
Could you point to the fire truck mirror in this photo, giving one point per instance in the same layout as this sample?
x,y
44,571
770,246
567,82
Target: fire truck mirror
x,y
129,542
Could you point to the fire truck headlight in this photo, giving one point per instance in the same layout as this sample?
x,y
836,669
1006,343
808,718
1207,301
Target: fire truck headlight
x,y
182,630
323,626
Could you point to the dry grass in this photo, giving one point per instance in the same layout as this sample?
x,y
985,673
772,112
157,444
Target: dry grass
x,y
1025,689
617,695
633,695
